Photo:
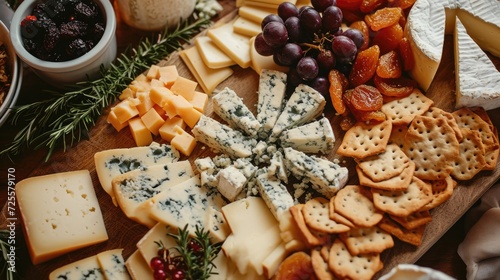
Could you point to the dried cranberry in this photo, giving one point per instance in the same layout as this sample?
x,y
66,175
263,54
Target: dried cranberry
x,y
84,11
77,48
73,29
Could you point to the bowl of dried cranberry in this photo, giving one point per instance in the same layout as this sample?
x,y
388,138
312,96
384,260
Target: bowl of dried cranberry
x,y
65,41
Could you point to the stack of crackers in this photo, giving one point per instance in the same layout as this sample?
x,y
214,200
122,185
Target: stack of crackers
x,y
406,165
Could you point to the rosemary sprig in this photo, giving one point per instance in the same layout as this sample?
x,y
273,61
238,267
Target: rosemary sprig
x,y
197,268
67,117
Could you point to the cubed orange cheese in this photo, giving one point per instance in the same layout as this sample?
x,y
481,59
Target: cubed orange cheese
x,y
152,120
169,110
160,95
191,116
145,102
160,111
199,101
140,78
184,87
156,83
114,121
127,93
168,75
142,135
186,110
153,72
167,131
125,110
139,85
183,141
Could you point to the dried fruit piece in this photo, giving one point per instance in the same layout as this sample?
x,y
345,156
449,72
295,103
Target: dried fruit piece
x,y
398,87
368,6
347,122
383,18
364,66
338,84
351,5
388,38
389,65
366,98
406,54
363,116
403,4
296,266
363,27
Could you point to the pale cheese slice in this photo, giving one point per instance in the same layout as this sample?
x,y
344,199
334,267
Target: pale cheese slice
x,y
148,246
246,27
234,45
212,56
80,269
138,267
255,14
113,265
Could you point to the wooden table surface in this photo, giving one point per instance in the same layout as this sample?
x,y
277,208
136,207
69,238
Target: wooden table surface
x,y
441,256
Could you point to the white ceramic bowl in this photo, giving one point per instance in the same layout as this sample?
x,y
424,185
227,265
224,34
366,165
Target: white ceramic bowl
x,y
65,73
14,64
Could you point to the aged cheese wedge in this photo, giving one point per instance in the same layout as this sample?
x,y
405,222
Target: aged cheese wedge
x,y
113,265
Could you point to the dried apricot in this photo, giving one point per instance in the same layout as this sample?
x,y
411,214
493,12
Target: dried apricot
x,y
389,65
398,87
351,5
368,6
362,116
383,18
352,16
363,27
346,122
388,38
364,66
338,83
403,4
296,266
366,98
406,54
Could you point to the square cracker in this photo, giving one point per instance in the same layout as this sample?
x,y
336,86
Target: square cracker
x,y
466,118
397,183
317,216
432,145
442,190
413,236
436,112
385,165
414,220
472,156
402,111
368,240
311,237
351,203
403,203
363,140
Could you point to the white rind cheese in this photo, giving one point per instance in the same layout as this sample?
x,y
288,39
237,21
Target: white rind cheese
x,y
304,105
326,176
110,163
314,137
222,138
271,98
229,106
476,86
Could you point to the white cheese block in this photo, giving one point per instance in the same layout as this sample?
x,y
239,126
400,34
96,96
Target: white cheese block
x,y
134,188
275,194
255,14
304,105
87,268
261,63
184,204
476,86
230,182
138,267
326,176
230,107
222,138
212,55
204,164
271,99
110,163
314,137
428,22
235,45
60,214
113,265
246,27
148,246
216,225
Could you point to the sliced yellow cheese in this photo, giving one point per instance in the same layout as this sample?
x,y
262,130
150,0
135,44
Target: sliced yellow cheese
x,y
138,267
246,27
212,56
199,101
183,141
235,45
168,74
148,246
184,87
125,110
208,78
152,120
141,134
113,120
167,130
260,62
255,14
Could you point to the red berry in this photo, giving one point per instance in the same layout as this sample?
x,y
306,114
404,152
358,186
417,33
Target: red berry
x,y
195,246
157,263
159,274
28,18
178,275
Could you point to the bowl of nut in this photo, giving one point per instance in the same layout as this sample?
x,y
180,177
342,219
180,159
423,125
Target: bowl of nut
x,y
65,41
10,74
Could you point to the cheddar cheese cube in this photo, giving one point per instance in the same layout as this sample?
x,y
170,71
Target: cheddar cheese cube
x,y
125,110
168,75
113,120
152,120
183,141
145,102
184,87
153,72
160,95
141,134
167,130
199,101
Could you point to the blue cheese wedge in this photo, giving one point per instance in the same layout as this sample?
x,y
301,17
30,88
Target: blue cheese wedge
x,y
216,225
274,193
277,167
272,89
87,268
135,187
314,137
326,176
222,138
110,163
304,105
230,107
113,265
230,182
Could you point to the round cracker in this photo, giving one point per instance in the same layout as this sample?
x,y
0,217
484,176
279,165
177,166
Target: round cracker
x,y
317,216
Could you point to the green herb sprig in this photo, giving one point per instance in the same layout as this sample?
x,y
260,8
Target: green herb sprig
x,y
67,117
197,268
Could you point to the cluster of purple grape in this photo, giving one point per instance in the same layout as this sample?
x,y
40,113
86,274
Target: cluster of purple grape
x,y
166,265
310,41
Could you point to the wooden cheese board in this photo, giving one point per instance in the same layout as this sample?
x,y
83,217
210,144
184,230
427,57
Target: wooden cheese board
x,y
124,233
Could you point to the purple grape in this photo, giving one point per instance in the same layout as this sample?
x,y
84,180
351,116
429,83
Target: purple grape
x,y
322,85
321,5
275,34
343,47
269,18
356,36
293,79
326,60
287,10
332,19
292,25
262,47
310,20
290,54
307,68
